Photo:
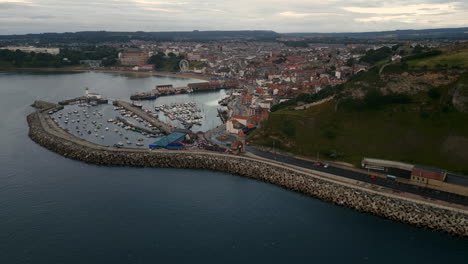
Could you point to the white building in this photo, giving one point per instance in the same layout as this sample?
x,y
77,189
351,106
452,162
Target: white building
x,y
91,95
338,75
236,124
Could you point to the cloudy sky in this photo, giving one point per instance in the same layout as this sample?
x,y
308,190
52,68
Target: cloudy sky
x,y
36,16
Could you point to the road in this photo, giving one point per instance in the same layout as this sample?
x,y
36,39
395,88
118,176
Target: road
x,y
389,183
237,107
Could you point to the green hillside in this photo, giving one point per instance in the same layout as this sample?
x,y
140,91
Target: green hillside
x,y
457,58
420,126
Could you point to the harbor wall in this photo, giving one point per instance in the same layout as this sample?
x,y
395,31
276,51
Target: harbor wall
x,y
44,132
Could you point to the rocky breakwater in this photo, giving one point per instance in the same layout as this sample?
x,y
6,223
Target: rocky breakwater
x,y
408,211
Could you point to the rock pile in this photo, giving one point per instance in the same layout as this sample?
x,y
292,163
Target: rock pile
x,y
405,211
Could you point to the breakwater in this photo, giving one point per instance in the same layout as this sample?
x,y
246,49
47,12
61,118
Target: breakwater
x,y
45,132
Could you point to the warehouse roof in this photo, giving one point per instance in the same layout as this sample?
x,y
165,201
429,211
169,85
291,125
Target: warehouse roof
x,y
163,142
421,167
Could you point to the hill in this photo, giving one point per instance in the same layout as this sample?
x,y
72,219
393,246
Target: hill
x,y
108,36
439,33
412,115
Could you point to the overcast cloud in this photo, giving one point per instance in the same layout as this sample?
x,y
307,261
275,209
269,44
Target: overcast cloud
x,y
36,16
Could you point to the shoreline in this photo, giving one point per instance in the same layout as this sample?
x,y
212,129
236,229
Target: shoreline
x,y
320,185
74,69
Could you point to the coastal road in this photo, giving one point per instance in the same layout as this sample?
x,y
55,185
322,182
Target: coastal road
x,y
351,174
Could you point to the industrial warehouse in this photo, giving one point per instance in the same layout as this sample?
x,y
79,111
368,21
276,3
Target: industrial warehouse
x,y
418,175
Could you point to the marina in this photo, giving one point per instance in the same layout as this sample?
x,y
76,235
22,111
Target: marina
x,y
188,114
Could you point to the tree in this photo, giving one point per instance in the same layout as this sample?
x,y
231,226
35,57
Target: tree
x,y
374,56
350,62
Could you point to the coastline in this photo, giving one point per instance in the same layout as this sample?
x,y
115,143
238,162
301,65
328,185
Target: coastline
x,y
120,71
454,221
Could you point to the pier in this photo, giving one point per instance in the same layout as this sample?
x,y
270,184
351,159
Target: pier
x,y
137,128
84,99
163,127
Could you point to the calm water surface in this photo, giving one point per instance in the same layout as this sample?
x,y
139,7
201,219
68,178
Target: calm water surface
x,y
56,210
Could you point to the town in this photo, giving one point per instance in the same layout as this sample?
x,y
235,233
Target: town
x,y
263,74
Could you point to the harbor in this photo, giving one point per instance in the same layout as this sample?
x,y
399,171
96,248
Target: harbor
x,y
105,125
96,118
71,199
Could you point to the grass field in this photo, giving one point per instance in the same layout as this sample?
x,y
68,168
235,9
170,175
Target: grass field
x,y
451,59
395,133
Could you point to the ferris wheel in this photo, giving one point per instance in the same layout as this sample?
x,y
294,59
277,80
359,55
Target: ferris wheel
x,y
184,65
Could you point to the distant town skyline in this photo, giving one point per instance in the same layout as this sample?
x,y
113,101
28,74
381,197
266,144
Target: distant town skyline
x,y
38,16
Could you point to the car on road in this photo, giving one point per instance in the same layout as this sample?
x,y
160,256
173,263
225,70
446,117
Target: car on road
x,y
326,166
318,164
373,176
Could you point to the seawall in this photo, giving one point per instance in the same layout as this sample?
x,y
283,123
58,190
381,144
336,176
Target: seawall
x,y
46,133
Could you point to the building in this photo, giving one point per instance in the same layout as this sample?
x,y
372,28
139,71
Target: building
x,y
144,68
165,141
423,174
236,124
53,51
92,95
133,57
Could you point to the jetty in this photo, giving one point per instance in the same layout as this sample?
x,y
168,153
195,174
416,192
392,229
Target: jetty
x,y
135,127
169,89
84,99
144,96
163,127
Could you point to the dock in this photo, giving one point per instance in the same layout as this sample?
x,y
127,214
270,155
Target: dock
x,y
83,99
137,128
144,96
163,127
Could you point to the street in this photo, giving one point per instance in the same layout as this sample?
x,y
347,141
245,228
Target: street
x,y
389,183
